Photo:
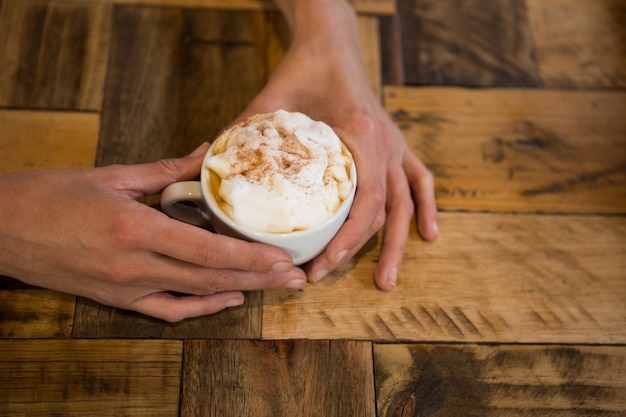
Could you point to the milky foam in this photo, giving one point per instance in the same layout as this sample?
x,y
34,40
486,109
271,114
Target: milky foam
x,y
281,172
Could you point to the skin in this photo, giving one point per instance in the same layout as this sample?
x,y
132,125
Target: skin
x,y
88,235
323,75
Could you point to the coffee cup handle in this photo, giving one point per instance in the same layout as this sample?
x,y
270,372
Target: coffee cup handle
x,y
183,201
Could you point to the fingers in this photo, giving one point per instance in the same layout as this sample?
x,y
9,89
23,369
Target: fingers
x,y
192,260
422,184
173,308
399,214
197,246
151,178
365,219
173,275
408,182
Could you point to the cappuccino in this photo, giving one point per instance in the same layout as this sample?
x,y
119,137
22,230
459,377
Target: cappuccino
x,y
280,172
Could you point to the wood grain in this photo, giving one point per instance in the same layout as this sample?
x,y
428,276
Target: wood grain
x,y
489,278
481,380
362,6
28,312
472,42
185,75
52,54
580,43
370,43
518,309
96,320
391,54
277,378
89,377
46,139
518,150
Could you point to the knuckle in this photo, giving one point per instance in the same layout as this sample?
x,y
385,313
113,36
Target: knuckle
x,y
379,221
428,180
363,119
218,281
208,257
378,197
405,206
169,166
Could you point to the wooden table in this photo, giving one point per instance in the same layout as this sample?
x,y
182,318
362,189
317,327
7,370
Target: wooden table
x,y
517,106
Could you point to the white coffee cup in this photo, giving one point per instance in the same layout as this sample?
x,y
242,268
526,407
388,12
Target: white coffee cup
x,y
194,202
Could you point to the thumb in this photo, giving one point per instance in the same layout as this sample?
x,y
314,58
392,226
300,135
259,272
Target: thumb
x,y
152,178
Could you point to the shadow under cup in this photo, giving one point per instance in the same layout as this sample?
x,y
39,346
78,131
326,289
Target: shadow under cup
x,y
302,245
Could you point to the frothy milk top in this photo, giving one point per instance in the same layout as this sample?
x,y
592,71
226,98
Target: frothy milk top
x,y
281,172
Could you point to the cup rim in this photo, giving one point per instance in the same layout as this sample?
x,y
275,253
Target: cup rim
x,y
214,208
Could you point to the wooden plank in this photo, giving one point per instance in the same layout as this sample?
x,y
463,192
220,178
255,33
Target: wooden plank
x,y
45,139
462,380
579,43
183,77
518,150
474,43
89,377
281,378
96,320
488,278
392,62
53,54
370,44
381,7
29,312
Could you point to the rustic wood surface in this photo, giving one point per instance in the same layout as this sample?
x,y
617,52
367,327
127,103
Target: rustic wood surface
x,y
286,378
517,106
89,378
551,151
483,380
489,278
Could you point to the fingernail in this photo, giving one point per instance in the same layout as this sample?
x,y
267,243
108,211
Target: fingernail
x,y
341,256
234,302
392,277
282,267
319,275
296,284
435,228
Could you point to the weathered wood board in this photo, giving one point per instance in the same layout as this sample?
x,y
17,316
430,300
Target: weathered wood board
x,y
53,54
579,43
29,312
89,377
470,43
495,278
362,6
518,150
486,380
278,378
46,139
